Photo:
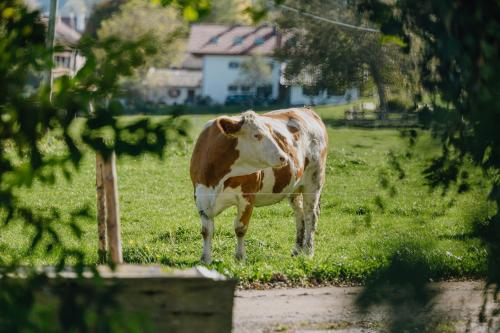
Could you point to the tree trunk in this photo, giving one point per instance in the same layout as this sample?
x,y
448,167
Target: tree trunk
x,y
380,84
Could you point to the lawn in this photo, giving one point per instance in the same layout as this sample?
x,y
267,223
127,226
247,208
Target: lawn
x,y
362,224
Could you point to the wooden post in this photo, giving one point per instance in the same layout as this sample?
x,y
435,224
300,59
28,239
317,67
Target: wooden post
x,y
101,207
112,209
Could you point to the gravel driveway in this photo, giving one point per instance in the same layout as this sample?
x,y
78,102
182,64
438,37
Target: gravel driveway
x,y
455,308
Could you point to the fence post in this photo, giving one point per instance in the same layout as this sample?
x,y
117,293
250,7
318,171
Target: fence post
x,y
101,207
112,209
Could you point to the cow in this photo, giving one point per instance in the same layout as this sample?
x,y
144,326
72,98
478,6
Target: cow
x,y
254,160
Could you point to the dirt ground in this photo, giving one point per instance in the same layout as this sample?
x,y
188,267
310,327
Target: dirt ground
x,y
455,308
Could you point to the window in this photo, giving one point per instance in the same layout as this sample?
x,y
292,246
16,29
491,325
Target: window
x,y
265,91
234,64
174,92
238,40
259,41
245,88
310,91
214,40
232,88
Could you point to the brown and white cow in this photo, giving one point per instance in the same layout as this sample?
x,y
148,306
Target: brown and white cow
x,y
256,160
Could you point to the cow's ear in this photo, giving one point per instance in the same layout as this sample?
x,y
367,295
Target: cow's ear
x,y
229,126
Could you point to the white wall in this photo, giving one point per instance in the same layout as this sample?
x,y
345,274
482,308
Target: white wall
x,y
297,97
217,76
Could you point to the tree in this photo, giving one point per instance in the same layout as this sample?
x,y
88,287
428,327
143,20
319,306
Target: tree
x,y
28,117
458,44
228,12
339,58
144,19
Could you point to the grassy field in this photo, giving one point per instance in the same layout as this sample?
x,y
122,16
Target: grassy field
x,y
362,225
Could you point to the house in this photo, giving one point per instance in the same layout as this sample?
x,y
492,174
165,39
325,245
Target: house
x,y
69,61
75,13
171,86
224,49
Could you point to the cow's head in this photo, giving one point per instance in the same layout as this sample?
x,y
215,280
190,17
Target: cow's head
x,y
258,149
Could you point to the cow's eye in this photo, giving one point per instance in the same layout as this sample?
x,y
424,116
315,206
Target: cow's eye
x,y
258,136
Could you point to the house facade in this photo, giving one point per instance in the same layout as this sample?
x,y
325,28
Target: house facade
x,y
68,61
300,95
171,86
223,51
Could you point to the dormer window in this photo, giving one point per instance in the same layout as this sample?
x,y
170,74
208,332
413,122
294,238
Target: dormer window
x,y
238,40
214,40
259,41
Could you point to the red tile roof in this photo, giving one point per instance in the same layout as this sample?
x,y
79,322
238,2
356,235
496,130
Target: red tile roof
x,y
232,40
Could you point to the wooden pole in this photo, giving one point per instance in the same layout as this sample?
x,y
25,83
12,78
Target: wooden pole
x,y
112,209
101,207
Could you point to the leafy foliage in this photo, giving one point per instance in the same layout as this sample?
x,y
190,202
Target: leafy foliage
x,y
162,25
459,49
29,116
458,44
335,58
228,12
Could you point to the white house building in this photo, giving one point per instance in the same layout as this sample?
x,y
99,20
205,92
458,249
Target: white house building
x,y
171,86
223,49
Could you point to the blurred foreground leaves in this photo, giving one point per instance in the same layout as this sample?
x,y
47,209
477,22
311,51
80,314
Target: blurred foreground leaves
x,y
30,113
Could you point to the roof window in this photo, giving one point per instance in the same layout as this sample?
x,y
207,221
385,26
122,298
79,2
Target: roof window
x,y
259,41
238,40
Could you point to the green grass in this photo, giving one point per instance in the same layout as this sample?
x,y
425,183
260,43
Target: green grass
x,y
360,228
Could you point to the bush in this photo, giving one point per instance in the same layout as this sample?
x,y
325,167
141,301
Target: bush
x,y
398,105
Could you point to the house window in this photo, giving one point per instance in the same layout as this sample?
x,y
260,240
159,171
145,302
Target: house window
x,y
174,92
259,41
265,91
310,91
234,64
232,88
245,88
214,40
238,40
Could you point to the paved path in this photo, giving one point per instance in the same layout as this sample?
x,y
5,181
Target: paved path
x,y
333,309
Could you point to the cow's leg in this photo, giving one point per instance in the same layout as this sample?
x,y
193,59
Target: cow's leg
x,y
297,204
241,225
311,195
207,231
